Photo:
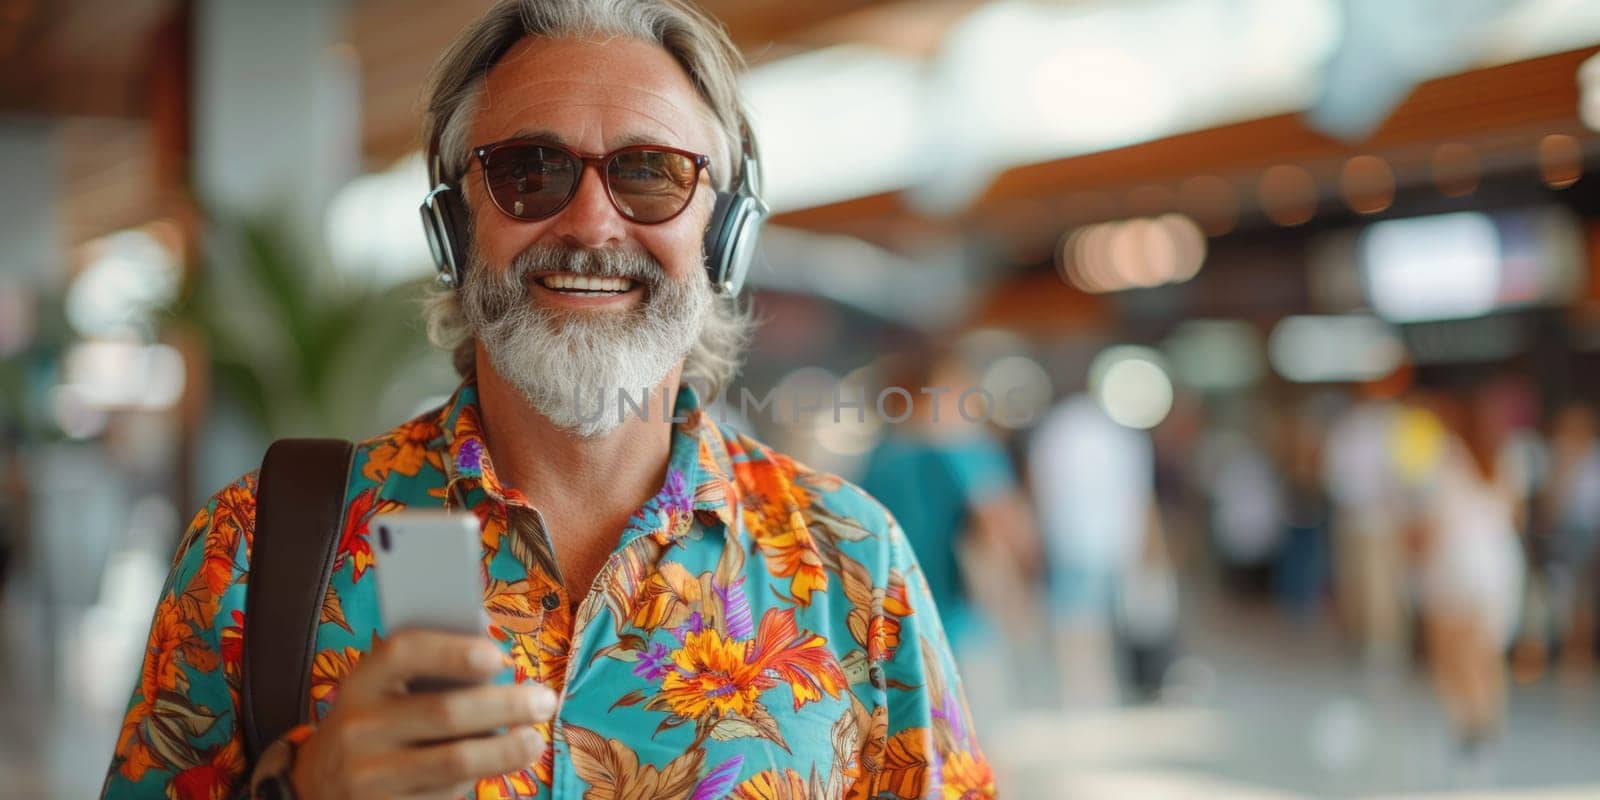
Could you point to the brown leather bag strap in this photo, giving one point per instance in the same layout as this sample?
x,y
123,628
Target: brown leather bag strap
x,y
299,509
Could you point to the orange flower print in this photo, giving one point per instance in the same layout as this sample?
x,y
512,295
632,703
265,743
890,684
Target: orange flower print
x,y
800,658
540,657
774,515
772,785
713,675
236,512
510,786
555,647
404,450
492,532
162,675
883,638
328,670
883,632
863,766
791,553
906,764
168,636
967,777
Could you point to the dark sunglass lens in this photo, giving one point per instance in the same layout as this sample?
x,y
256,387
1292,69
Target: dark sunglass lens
x,y
529,181
651,185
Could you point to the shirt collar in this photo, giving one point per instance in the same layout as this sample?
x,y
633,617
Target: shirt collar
x,y
699,470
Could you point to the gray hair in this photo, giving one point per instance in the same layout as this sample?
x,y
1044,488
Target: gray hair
x,y
695,40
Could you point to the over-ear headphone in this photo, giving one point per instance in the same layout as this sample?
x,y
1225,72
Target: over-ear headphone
x,y
736,221
730,243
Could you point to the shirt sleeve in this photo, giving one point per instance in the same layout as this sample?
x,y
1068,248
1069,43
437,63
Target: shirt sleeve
x,y
929,746
181,735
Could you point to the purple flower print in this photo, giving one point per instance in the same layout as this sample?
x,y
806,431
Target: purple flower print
x,y
675,495
470,456
654,663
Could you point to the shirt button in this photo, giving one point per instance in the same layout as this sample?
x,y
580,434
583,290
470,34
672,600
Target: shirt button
x,y
550,601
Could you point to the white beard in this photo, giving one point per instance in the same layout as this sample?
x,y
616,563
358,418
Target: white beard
x,y
573,366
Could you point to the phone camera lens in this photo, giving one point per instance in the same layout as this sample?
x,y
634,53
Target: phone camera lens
x,y
383,537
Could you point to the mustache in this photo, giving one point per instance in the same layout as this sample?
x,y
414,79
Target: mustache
x,y
635,265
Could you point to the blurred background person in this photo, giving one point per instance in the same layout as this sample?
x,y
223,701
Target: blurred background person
x,y
1371,591
1570,506
1246,501
1093,480
951,486
1301,574
1148,618
1471,567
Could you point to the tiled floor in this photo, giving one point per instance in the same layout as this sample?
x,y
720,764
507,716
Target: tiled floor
x,y
1288,714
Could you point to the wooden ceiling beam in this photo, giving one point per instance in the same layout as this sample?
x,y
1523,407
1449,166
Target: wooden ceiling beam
x,y
76,57
912,28
1503,108
1540,91
759,26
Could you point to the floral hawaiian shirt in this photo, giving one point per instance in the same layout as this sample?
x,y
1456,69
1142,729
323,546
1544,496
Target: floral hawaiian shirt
x,y
760,631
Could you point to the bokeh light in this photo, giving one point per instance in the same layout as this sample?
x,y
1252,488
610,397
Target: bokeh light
x,y
1323,349
1589,85
1367,184
1288,195
1021,388
130,275
1132,254
1131,385
1445,266
1560,160
1216,354
124,374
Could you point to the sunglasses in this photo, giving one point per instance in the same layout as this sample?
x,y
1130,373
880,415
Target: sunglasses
x,y
647,183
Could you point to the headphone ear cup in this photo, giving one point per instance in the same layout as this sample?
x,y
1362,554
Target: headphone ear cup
x,y
731,239
444,223
743,227
717,250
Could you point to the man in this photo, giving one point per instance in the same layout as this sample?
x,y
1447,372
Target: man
x,y
675,611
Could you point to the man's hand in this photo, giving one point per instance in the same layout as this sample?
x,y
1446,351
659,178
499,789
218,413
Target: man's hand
x,y
380,742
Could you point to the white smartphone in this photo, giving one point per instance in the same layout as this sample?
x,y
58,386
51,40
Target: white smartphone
x,y
430,575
